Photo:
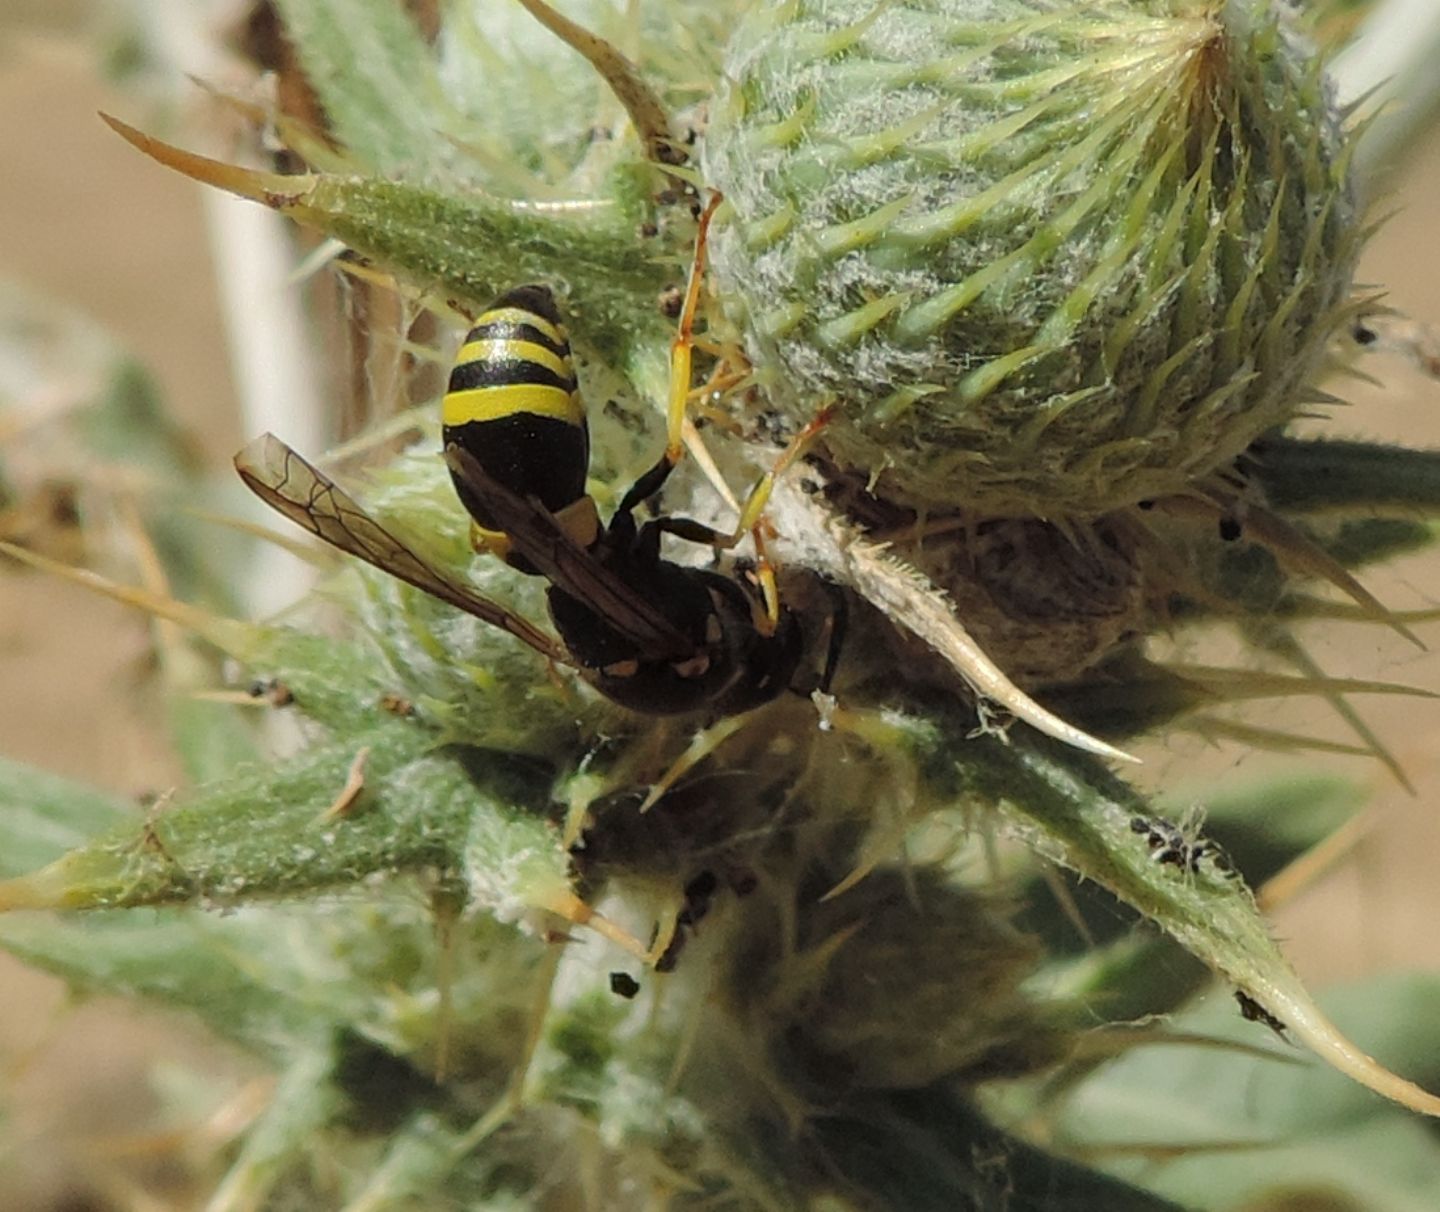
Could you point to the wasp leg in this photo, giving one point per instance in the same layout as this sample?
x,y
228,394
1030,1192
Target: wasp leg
x,y
752,512
681,349
750,521
684,343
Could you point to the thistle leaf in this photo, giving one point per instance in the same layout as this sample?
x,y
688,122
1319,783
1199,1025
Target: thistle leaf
x,y
458,243
1070,810
1319,475
1235,1128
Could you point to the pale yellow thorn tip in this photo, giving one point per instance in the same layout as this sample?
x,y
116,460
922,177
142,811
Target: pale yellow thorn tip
x,y
274,189
1302,1017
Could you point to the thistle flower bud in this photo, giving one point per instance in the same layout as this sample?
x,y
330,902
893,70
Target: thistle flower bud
x,y
1050,258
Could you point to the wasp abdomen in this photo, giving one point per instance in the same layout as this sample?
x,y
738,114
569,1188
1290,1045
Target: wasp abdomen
x,y
513,403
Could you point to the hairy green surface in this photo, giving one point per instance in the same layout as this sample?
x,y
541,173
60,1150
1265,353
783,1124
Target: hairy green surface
x,y
1049,259
879,1002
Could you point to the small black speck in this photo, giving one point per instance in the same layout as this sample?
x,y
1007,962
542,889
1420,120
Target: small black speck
x,y
1364,335
622,984
703,885
1230,529
1252,1011
272,690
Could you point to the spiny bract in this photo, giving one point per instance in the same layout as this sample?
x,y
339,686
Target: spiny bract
x,y
1051,258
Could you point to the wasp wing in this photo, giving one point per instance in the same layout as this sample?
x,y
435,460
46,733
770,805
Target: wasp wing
x,y
564,563
288,484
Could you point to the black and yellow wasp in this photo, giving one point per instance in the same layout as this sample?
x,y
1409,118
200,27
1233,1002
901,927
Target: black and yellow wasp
x,y
652,635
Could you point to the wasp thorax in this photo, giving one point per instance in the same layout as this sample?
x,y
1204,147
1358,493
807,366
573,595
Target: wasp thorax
x,y
1049,259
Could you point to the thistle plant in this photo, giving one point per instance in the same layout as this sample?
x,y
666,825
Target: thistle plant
x,y
1017,254
1057,277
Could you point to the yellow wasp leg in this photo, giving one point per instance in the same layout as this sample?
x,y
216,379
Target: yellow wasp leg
x,y
767,612
684,343
752,517
681,354
759,498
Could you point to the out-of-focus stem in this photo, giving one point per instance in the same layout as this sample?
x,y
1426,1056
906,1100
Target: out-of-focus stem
x,y
268,336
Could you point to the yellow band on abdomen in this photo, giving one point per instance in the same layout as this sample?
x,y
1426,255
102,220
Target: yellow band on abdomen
x,y
493,403
517,351
521,315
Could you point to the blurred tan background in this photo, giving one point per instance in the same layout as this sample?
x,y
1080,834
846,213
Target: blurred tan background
x,y
89,221
83,219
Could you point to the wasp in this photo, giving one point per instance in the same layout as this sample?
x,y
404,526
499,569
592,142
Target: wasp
x,y
650,634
